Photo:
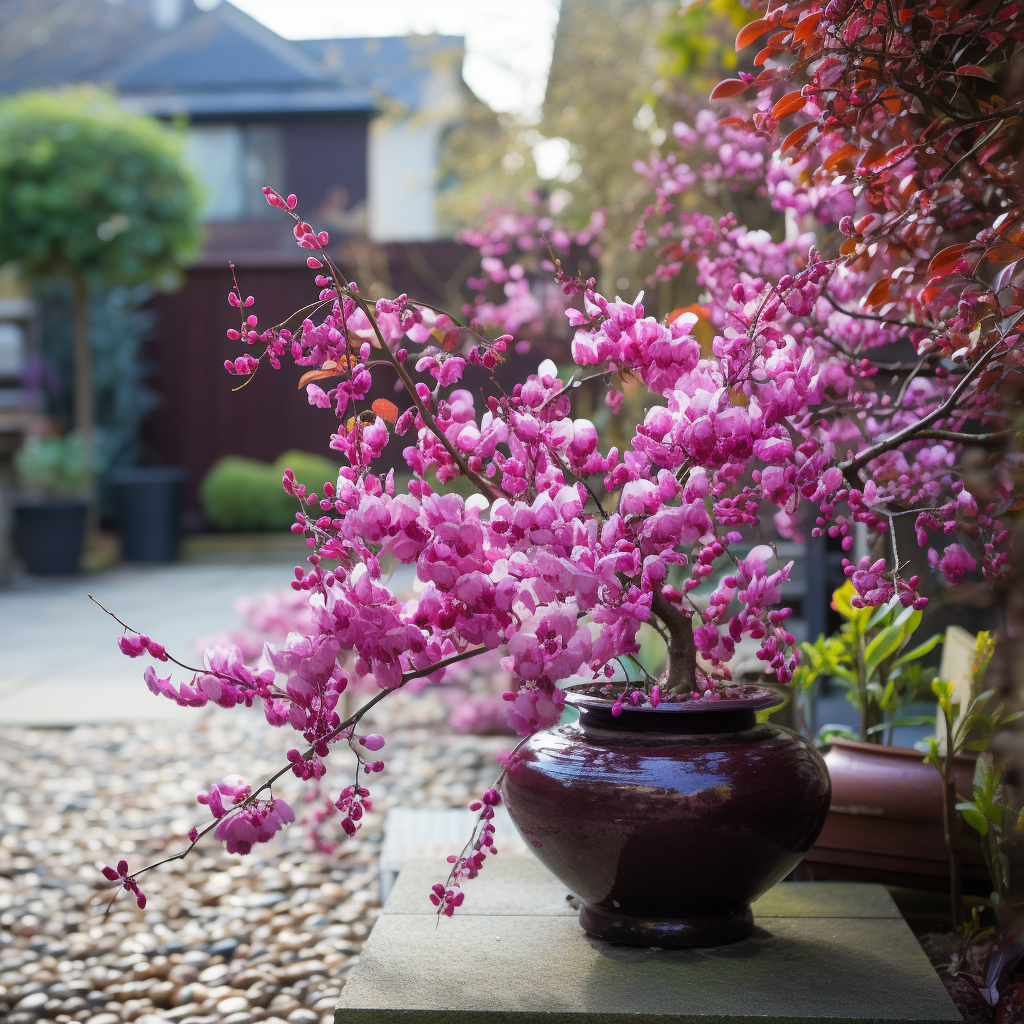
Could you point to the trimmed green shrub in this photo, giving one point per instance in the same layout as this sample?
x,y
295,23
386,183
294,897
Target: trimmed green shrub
x,y
245,494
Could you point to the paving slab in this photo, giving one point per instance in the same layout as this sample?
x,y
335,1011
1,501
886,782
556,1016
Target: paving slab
x,y
821,953
59,662
429,835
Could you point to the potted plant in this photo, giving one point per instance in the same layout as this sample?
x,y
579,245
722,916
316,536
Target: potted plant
x,y
886,823
49,515
564,548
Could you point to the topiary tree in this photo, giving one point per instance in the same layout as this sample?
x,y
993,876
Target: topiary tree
x,y
94,195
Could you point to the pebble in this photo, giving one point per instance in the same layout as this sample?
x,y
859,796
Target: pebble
x,y
266,939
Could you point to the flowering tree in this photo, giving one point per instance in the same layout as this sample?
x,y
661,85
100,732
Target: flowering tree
x,y
564,550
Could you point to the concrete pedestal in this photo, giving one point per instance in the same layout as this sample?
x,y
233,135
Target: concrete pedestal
x,y
821,953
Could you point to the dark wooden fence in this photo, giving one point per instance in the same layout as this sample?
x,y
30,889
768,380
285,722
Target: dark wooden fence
x,y
200,418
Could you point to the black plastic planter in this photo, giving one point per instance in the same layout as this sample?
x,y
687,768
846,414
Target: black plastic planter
x,y
147,507
49,534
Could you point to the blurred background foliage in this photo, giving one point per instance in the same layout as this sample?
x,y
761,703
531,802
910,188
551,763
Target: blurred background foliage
x,y
622,72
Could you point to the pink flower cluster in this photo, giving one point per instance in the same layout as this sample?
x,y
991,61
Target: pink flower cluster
x,y
128,881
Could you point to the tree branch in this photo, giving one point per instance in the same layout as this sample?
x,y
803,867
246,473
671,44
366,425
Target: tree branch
x,y
851,467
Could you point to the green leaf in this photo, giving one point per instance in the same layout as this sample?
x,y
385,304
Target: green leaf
x,y
898,723
919,651
883,645
974,818
882,612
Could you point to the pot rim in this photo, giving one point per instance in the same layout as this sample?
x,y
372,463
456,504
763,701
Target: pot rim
x,y
885,750
756,698
33,502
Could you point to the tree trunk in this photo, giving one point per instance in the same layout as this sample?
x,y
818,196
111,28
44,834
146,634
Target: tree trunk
x,y
682,651
85,403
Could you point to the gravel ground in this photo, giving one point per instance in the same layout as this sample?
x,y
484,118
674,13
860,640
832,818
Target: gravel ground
x,y
270,937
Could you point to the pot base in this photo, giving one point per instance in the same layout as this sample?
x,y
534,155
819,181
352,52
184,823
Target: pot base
x,y
666,933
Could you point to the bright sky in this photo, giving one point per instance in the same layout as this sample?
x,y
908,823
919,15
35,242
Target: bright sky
x,y
508,42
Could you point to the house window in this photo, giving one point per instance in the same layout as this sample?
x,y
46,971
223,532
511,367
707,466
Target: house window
x,y
233,162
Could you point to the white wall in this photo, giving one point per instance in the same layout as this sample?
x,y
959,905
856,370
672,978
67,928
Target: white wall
x,y
403,156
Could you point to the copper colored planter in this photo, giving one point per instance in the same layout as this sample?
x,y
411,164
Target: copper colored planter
x,y
885,824
668,822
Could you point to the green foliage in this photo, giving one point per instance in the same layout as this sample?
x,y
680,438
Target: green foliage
x,y
868,656
52,467
968,725
119,326
92,192
698,40
245,494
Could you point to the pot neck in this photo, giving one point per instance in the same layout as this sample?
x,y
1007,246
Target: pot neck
x,y
671,722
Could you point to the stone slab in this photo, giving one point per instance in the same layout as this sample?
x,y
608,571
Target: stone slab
x,y
431,834
821,953
522,887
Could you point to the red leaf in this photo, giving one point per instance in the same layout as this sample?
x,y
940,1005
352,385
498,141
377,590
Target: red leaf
x,y
731,122
312,375
749,33
789,104
385,410
841,154
947,258
806,27
796,137
974,71
879,292
891,100
1003,253
893,157
730,87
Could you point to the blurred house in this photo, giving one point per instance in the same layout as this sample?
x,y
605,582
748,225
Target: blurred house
x,y
354,127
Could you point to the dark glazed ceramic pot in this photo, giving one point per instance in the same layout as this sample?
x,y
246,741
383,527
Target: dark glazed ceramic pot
x,y
668,822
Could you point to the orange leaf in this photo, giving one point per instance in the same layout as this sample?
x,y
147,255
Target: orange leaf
x,y
695,307
879,292
789,104
316,375
730,87
849,247
750,32
763,55
905,15
797,136
948,257
385,410
891,100
806,27
731,122
841,154
1003,253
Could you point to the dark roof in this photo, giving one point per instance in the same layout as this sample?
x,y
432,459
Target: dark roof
x,y
50,42
211,63
227,62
